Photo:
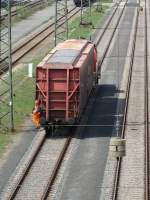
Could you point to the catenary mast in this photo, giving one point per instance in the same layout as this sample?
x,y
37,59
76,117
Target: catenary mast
x,y
6,89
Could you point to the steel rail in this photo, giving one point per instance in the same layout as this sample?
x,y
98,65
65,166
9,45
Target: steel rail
x,y
111,38
25,173
119,159
30,163
107,24
56,170
147,139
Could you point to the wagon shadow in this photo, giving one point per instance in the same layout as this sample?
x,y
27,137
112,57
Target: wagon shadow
x,y
100,115
103,109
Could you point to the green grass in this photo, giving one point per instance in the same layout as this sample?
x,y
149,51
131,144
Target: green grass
x,y
24,94
79,31
4,140
23,90
23,12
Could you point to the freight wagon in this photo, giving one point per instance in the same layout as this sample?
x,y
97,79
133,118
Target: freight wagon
x,y
64,80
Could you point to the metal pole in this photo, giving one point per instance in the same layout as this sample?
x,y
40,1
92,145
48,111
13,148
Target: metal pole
x,y
61,17
66,12
85,18
99,6
81,20
90,9
55,22
90,21
10,70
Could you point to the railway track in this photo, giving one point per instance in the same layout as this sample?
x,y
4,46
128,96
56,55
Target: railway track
x,y
146,117
50,176
119,160
109,28
147,137
53,161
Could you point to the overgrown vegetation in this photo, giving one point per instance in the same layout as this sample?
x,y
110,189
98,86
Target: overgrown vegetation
x,y
4,140
78,31
23,12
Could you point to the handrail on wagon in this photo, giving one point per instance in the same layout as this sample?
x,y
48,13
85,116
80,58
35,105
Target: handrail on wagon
x,y
40,90
73,91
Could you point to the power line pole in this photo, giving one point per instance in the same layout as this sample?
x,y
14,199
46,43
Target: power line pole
x,y
6,89
99,6
85,14
61,21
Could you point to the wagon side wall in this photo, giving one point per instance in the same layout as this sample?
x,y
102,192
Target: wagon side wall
x,y
86,80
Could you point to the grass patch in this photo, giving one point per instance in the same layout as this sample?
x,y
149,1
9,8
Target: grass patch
x,y
4,141
24,91
24,94
78,31
23,12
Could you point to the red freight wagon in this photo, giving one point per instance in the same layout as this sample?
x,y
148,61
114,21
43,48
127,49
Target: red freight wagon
x,y
64,80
